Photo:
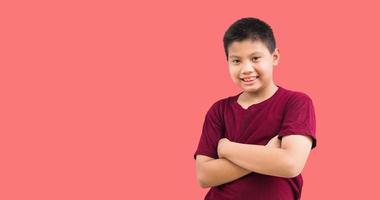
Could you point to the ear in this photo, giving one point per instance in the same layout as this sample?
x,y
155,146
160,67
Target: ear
x,y
276,56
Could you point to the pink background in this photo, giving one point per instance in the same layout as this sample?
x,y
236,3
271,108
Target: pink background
x,y
106,100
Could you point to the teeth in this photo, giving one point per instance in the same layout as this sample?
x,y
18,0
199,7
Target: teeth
x,y
249,79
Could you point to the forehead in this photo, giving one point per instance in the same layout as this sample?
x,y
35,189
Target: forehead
x,y
247,48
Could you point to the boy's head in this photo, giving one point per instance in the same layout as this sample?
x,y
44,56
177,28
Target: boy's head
x,y
251,53
249,28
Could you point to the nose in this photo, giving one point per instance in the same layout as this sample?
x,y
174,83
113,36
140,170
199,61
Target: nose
x,y
247,68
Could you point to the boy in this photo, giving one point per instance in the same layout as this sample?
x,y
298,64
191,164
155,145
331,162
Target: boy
x,y
255,144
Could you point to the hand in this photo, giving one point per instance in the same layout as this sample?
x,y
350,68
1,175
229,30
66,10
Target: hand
x,y
222,142
274,142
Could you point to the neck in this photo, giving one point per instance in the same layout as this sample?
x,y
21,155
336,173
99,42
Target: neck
x,y
261,95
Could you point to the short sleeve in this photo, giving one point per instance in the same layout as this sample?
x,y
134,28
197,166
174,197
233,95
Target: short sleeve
x,y
212,132
299,118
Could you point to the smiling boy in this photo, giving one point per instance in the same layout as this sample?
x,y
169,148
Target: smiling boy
x,y
255,144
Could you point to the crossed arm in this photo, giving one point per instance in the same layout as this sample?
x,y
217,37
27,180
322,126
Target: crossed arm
x,y
284,159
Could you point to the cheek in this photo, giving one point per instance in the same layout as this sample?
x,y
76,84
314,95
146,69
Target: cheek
x,y
234,74
233,71
264,70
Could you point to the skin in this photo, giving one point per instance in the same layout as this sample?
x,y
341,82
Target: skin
x,y
248,58
284,158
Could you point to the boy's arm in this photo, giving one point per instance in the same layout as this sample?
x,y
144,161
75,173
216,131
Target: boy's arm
x,y
213,172
287,161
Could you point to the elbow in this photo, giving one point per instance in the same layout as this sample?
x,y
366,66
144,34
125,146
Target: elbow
x,y
293,173
203,184
202,181
293,170
201,178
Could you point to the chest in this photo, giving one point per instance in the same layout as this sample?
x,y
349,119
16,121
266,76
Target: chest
x,y
253,126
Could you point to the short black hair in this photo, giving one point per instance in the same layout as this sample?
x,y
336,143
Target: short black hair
x,y
249,28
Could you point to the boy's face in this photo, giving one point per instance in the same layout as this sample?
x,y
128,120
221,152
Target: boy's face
x,y
249,58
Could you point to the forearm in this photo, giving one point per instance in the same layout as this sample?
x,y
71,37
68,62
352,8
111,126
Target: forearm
x,y
219,171
258,158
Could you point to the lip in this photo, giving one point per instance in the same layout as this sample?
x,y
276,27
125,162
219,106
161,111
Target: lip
x,y
249,82
248,76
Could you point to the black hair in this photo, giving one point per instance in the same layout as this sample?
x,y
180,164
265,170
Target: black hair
x,y
249,28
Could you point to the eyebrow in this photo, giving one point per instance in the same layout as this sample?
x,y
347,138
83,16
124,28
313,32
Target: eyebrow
x,y
256,52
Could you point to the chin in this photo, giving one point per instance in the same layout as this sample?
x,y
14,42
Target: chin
x,y
251,88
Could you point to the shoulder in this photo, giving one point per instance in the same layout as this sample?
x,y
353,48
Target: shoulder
x,y
219,106
297,100
294,96
221,103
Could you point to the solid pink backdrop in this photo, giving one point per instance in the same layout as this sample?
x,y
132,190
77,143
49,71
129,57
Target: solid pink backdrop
x,y
106,100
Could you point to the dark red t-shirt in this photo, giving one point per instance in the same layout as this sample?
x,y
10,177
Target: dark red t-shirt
x,y
286,112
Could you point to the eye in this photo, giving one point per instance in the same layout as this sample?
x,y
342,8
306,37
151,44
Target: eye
x,y
235,61
256,58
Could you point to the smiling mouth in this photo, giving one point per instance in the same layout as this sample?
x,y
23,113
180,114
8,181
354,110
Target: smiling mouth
x,y
250,79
